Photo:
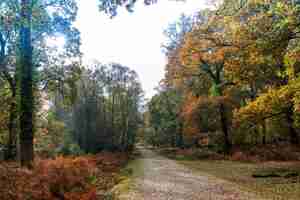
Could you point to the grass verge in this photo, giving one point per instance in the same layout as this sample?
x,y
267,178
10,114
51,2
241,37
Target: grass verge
x,y
241,173
125,189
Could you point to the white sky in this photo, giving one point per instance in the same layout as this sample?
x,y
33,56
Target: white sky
x,y
131,39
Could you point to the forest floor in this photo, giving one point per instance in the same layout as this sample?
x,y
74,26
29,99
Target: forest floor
x,y
155,177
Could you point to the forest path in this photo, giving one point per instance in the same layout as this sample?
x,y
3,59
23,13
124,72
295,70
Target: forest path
x,y
158,178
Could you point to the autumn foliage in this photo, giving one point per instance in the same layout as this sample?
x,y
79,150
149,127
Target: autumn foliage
x,y
236,71
61,178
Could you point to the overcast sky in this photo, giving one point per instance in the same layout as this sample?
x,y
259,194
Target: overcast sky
x,y
132,39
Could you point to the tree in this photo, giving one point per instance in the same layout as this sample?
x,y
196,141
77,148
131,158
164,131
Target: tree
x,y
106,110
207,50
164,118
44,25
111,7
176,31
271,34
27,85
269,105
241,70
6,32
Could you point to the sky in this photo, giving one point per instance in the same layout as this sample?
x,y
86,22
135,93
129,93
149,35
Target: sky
x,y
131,39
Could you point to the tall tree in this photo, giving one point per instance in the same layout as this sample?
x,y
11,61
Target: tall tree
x,y
45,25
208,50
27,85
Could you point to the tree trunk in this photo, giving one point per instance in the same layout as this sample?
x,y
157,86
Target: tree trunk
x,y
293,133
227,143
87,128
264,133
173,137
26,87
113,121
104,116
179,140
124,134
12,128
223,117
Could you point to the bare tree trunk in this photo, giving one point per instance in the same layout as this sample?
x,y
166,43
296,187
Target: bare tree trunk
x,y
26,88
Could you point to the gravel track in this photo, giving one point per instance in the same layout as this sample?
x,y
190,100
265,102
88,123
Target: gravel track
x,y
160,178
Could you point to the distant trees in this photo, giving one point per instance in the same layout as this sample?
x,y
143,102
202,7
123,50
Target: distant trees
x,y
107,110
100,106
163,121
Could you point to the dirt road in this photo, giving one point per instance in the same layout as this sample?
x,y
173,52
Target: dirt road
x,y
158,178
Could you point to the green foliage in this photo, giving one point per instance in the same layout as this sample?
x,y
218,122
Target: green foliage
x,y
105,109
163,123
240,73
70,148
214,91
53,138
4,113
111,7
25,28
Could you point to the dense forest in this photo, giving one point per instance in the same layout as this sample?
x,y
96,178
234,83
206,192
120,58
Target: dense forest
x,y
231,78
231,86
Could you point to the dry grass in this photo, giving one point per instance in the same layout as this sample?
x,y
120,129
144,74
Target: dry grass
x,y
239,168
279,188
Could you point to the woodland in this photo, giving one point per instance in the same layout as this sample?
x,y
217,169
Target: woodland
x,y
230,92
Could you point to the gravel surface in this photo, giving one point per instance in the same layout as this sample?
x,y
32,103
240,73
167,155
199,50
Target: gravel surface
x,y
160,178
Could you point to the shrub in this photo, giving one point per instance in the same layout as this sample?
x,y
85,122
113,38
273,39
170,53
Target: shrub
x,y
70,148
60,178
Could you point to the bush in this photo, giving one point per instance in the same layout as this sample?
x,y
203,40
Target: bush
x,y
53,139
70,148
65,175
60,178
49,137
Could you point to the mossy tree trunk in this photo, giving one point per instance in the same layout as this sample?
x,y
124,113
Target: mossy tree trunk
x,y
218,91
26,86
